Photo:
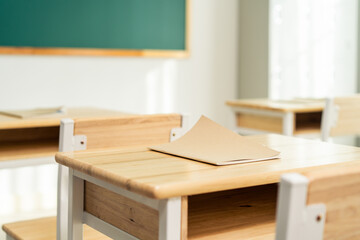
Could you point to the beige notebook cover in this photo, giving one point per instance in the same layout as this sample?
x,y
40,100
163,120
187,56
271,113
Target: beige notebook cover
x,y
210,142
38,112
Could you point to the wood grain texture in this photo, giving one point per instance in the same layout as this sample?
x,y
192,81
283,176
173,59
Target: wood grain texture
x,y
127,131
348,116
44,229
265,123
7,122
174,176
247,213
339,189
295,105
128,215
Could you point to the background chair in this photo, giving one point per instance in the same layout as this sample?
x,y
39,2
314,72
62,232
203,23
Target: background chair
x,y
341,117
324,204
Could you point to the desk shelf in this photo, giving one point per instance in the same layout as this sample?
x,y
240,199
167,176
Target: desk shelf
x,y
247,213
25,143
307,123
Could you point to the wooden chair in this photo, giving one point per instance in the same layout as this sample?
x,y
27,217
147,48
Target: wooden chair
x,y
341,116
125,131
324,204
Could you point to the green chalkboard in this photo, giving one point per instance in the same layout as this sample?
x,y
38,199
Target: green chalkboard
x,y
94,24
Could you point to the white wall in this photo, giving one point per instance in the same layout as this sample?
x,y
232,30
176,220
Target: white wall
x,y
197,85
253,49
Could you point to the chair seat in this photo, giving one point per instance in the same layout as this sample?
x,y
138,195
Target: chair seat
x,y
44,229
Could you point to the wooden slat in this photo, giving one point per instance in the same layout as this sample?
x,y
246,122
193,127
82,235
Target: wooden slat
x,y
127,131
44,229
171,176
348,121
295,105
247,213
128,215
259,122
339,189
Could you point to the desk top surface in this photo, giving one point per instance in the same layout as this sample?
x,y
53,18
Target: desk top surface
x,y
294,105
9,122
158,175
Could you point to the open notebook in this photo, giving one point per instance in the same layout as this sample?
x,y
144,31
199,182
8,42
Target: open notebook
x,y
33,113
210,142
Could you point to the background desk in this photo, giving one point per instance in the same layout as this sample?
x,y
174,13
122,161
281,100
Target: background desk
x,y
288,117
38,137
226,202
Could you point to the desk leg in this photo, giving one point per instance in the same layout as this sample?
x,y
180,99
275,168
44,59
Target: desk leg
x,y
170,219
288,124
62,203
76,207
65,145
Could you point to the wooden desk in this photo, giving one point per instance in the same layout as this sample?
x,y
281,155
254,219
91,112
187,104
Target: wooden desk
x,y
288,117
227,202
38,137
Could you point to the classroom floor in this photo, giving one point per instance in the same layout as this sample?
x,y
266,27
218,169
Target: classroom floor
x,y
27,193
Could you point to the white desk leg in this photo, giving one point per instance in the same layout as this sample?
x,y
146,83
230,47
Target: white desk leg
x,y
65,144
288,124
170,219
295,220
76,207
62,203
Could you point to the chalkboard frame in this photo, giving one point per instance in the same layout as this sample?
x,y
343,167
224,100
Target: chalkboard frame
x,y
183,53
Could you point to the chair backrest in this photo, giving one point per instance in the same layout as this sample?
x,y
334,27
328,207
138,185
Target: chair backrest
x,y
341,116
95,133
127,131
324,204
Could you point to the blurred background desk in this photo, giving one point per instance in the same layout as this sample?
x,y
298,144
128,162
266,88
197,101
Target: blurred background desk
x,y
288,117
35,139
